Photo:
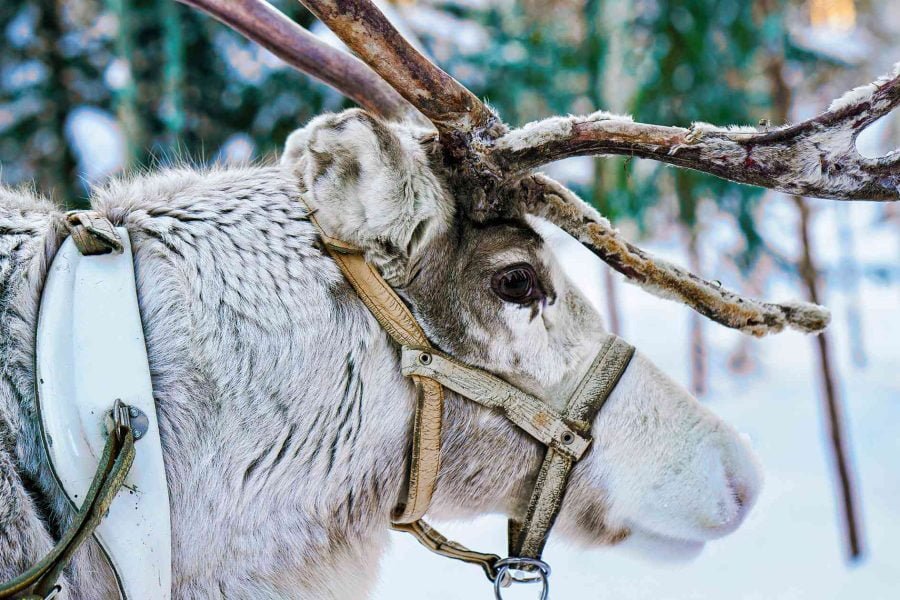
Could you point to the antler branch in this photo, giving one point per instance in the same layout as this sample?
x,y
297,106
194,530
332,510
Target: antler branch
x,y
817,157
366,31
553,201
262,23
488,164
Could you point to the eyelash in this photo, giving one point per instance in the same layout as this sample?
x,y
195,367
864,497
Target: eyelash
x,y
523,272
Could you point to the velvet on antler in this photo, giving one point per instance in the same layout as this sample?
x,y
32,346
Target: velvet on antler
x,y
551,200
817,157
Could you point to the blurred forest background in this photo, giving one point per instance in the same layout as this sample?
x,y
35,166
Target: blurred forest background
x,y
94,88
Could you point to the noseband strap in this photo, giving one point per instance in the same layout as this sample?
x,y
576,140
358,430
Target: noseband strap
x,y
528,537
566,435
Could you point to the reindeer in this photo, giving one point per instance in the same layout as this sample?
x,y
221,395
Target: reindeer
x,y
285,420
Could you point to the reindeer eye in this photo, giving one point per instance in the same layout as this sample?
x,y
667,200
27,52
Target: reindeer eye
x,y
517,284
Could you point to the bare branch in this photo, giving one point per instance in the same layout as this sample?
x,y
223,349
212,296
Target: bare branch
x,y
259,21
551,200
817,157
366,31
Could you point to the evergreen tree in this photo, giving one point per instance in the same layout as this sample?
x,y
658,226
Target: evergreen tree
x,y
179,83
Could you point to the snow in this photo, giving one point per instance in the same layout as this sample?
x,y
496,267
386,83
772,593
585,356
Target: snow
x,y
578,170
790,548
854,96
117,74
550,129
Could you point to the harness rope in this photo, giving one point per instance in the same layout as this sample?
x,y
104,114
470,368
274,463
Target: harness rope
x,y
566,436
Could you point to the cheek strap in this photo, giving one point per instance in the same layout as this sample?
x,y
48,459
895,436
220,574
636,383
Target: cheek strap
x,y
528,536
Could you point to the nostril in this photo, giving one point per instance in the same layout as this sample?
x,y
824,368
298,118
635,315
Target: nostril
x,y
740,494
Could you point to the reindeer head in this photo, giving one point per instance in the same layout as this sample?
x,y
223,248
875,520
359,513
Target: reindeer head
x,y
442,197
491,292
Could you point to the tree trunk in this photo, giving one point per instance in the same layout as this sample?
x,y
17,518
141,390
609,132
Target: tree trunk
x,y
595,50
599,191
612,301
833,408
126,92
173,73
687,214
697,340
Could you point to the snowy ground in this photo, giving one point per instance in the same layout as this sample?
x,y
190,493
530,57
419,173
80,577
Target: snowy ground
x,y
790,547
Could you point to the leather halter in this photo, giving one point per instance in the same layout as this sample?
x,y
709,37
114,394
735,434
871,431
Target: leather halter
x,y
566,436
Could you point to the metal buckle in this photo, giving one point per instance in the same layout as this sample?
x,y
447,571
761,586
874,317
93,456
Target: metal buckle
x,y
123,417
521,570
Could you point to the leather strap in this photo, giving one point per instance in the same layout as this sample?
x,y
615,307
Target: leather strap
x,y
437,543
528,537
397,320
92,233
425,457
115,462
530,414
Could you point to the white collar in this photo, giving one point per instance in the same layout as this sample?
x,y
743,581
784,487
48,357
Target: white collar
x,y
91,351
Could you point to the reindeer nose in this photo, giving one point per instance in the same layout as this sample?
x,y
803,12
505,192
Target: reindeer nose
x,y
743,485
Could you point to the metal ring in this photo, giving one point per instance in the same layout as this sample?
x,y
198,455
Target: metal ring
x,y
54,592
507,567
425,358
120,418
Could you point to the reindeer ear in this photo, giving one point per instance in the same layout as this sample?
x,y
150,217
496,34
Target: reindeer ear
x,y
370,183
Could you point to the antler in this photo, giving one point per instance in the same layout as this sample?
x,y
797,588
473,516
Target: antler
x,y
446,102
267,26
490,165
817,157
551,200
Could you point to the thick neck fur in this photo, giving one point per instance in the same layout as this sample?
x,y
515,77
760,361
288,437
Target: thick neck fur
x,y
285,421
